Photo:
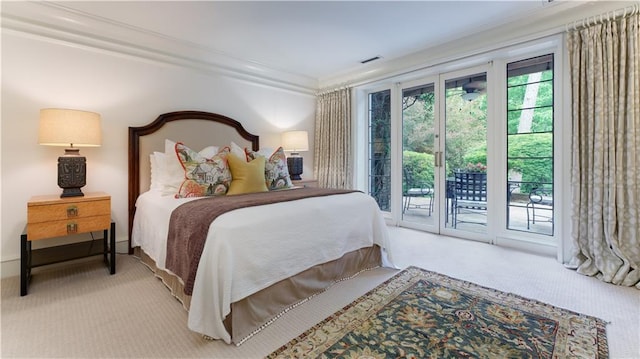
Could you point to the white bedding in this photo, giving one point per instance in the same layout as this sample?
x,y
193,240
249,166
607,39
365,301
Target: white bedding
x,y
274,237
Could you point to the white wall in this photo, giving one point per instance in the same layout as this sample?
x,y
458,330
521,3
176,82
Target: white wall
x,y
39,72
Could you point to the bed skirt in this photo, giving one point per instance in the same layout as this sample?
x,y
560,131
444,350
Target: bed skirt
x,y
251,314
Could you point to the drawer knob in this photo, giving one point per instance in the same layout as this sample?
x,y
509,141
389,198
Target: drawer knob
x,y
72,228
72,211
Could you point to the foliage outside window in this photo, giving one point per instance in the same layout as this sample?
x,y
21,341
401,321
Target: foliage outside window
x,y
466,123
530,131
380,148
418,110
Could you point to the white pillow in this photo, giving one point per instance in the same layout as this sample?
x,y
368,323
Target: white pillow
x,y
266,152
209,151
238,151
157,170
242,153
173,171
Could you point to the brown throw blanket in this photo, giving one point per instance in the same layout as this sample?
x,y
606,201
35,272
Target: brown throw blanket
x,y
189,225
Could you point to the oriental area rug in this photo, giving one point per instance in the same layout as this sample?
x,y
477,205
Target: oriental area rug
x,y
423,314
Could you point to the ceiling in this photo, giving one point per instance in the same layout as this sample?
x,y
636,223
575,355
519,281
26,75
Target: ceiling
x,y
316,39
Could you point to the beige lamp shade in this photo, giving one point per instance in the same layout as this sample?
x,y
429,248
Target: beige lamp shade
x,y
295,141
74,128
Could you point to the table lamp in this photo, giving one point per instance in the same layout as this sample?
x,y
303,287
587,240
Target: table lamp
x,y
71,128
295,142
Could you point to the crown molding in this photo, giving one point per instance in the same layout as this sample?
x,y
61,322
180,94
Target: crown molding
x,y
551,19
49,21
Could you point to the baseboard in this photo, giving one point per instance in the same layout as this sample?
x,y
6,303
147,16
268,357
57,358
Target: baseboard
x,y
11,268
534,247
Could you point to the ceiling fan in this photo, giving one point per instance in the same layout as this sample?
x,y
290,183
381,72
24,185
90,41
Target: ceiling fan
x,y
473,89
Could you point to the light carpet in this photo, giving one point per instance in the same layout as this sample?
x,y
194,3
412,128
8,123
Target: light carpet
x,y
78,310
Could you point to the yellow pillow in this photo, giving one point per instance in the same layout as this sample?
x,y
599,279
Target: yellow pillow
x,y
246,177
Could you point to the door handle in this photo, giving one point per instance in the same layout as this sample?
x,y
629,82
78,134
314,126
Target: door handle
x,y
437,159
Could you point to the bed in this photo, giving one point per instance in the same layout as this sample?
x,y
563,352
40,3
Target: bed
x,y
255,261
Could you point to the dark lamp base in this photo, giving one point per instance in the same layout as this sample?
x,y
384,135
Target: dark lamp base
x,y
71,192
295,167
72,173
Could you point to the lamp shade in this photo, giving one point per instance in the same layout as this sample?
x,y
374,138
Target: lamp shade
x,y
63,127
295,141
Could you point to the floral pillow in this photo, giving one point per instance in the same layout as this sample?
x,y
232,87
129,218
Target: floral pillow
x,y
204,176
276,172
172,171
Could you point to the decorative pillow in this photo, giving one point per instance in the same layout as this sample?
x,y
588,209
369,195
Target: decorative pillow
x,y
172,175
248,177
276,172
203,176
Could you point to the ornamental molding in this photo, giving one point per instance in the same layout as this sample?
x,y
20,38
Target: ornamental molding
x,y
55,23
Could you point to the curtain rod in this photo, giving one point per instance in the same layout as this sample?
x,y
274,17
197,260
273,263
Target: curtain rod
x,y
598,19
325,91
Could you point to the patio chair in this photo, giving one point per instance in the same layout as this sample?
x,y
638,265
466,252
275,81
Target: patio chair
x,y
470,194
413,189
541,198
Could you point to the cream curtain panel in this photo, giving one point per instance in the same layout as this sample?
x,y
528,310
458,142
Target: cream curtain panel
x,y
333,147
605,63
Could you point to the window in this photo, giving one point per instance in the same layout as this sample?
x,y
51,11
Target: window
x,y
530,125
380,148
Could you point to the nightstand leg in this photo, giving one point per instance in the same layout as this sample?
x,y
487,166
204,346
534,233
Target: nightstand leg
x,y
105,242
113,247
24,264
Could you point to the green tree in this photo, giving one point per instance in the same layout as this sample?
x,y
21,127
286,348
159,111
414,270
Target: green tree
x,y
420,166
531,155
418,122
466,123
530,151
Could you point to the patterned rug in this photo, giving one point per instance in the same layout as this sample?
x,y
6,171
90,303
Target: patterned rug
x,y
422,314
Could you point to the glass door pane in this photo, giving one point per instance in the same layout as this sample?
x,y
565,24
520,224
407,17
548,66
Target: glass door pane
x,y
466,153
530,145
380,148
418,136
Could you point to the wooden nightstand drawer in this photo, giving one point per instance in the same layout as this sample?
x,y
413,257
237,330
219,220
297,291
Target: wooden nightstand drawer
x,y
52,216
37,213
66,227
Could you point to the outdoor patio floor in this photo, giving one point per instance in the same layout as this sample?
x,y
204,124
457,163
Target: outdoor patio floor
x,y
475,221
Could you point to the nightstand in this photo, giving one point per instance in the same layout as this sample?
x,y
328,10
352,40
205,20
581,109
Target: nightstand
x,y
52,216
305,183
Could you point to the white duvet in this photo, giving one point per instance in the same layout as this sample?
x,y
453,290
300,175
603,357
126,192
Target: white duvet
x,y
251,248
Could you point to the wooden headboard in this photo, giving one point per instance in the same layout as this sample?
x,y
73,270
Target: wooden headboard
x,y
196,129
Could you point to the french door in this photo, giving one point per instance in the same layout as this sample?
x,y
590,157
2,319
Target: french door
x,y
444,132
420,140
470,153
